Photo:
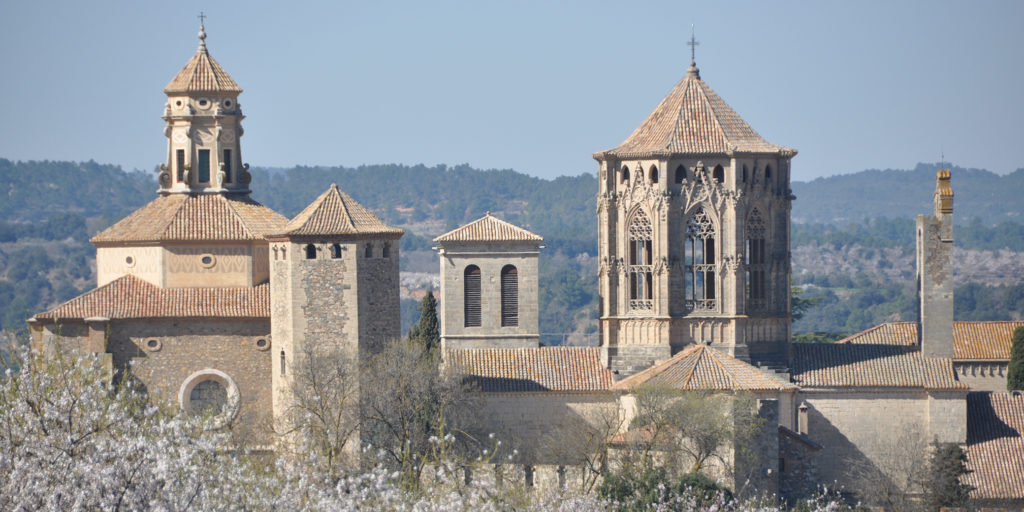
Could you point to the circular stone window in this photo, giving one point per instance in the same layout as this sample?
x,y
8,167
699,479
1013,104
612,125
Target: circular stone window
x,y
227,103
177,103
263,344
204,103
207,260
153,345
210,393
129,260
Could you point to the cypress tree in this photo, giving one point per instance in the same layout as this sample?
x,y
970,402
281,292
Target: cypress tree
x,y
426,331
942,485
1015,372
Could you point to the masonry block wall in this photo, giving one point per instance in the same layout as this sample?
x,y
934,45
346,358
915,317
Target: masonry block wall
x,y
379,306
490,258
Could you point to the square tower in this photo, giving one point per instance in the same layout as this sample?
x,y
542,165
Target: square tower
x,y
489,285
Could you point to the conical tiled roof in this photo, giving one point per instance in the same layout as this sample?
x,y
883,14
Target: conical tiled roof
x,y
703,368
692,119
489,229
336,213
194,217
202,74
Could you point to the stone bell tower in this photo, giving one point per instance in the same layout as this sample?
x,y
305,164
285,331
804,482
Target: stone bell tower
x,y
693,212
204,124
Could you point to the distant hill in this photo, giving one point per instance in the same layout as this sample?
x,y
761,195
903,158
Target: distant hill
x,y
904,194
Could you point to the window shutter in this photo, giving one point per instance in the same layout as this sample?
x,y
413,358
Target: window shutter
x,y
471,290
509,297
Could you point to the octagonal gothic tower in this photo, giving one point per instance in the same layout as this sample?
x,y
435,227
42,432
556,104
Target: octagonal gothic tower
x,y
693,212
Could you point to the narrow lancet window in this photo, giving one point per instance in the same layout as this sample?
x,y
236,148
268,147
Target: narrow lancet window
x,y
699,255
756,262
641,259
336,251
179,157
310,252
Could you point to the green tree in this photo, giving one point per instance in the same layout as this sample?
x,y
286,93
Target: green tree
x,y
942,484
1015,374
426,331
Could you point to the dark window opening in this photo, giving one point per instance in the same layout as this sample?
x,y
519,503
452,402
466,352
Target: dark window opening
x,y
335,251
718,174
654,174
386,250
471,297
745,174
310,252
509,296
179,155
283,368
680,174
368,251
204,166
625,175
227,165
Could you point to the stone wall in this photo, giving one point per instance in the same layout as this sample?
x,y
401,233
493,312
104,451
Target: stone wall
x,y
379,303
865,433
165,352
490,258
982,375
186,265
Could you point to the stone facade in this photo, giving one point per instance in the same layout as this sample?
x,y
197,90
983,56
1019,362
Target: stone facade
x,y
935,272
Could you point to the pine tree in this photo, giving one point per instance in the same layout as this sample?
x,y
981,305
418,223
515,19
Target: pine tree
x,y
942,484
426,331
1015,372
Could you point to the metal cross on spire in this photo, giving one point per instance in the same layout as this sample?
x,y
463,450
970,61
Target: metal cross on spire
x,y
693,43
202,18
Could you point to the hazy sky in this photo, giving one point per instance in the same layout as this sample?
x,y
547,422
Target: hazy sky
x,y
533,86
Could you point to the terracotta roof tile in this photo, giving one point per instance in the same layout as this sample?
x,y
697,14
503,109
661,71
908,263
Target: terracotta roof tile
x,y
692,119
193,217
533,369
995,446
971,340
336,213
852,365
704,368
131,297
202,74
489,229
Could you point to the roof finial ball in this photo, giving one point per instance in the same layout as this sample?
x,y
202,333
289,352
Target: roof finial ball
x,y
202,28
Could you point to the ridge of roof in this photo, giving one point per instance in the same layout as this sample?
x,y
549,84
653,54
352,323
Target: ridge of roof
x,y
335,213
130,297
972,340
693,119
202,74
701,367
489,229
191,217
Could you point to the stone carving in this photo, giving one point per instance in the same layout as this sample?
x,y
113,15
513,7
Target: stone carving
x,y
221,176
165,176
244,177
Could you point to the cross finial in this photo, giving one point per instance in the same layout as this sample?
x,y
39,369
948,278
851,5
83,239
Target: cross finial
x,y
693,43
202,18
202,31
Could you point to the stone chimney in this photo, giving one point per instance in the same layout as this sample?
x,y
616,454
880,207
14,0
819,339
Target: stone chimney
x,y
935,272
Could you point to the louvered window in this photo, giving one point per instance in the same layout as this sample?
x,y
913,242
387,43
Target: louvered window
x,y
509,296
180,157
471,290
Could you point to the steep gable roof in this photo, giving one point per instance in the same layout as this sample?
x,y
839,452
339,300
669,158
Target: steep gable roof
x,y
131,297
984,341
532,369
195,217
703,368
851,365
336,213
489,229
995,446
692,119
202,74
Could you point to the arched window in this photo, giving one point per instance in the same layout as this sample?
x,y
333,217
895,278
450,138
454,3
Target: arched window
x,y
756,261
768,177
368,251
641,260
471,296
654,174
509,296
680,174
310,252
718,174
386,250
625,174
745,173
336,251
700,262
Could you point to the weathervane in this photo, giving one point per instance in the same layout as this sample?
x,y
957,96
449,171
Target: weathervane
x,y
692,43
